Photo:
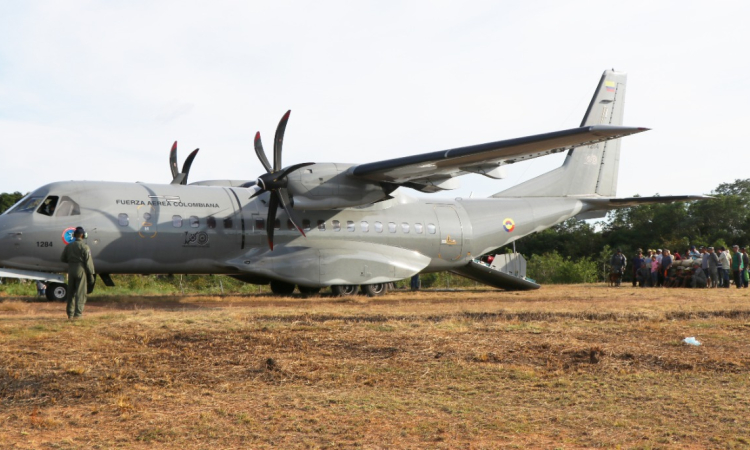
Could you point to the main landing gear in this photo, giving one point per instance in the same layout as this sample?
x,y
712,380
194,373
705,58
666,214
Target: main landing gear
x,y
371,290
284,289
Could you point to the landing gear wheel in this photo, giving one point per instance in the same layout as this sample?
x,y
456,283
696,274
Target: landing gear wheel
x,y
308,291
56,292
344,290
375,290
282,288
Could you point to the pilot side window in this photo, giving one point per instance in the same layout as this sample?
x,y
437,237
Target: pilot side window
x,y
336,225
349,225
418,228
228,223
195,222
391,227
67,207
211,222
364,226
322,225
405,227
431,228
48,206
123,220
177,221
378,227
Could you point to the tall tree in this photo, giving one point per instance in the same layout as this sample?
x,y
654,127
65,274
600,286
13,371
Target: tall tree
x,y
8,200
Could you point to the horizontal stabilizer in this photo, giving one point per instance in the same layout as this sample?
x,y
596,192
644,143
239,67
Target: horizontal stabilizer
x,y
595,204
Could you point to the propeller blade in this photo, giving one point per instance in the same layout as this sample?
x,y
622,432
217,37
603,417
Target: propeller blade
x,y
271,220
173,160
286,203
186,165
258,191
279,141
261,154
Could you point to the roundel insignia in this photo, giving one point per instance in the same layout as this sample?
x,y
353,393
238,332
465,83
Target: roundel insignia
x,y
509,225
67,235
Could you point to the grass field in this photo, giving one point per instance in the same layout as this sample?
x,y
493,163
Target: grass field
x,y
562,367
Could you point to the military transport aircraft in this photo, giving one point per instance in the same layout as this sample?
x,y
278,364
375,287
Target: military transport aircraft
x,y
315,225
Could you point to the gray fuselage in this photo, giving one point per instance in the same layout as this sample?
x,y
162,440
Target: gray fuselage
x,y
163,228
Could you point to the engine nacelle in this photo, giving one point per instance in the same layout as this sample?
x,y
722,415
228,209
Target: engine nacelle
x,y
327,186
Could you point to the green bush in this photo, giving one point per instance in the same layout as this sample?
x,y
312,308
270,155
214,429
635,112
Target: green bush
x,y
553,268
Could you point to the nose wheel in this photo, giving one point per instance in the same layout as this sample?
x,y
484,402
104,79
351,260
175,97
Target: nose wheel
x,y
56,292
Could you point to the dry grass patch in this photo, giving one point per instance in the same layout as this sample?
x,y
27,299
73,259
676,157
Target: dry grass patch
x,y
564,367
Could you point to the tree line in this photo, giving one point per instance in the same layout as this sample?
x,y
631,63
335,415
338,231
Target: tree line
x,y
719,222
574,251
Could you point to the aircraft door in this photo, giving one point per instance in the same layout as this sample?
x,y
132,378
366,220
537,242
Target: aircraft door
x,y
450,233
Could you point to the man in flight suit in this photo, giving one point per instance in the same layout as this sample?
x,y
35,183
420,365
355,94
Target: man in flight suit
x,y
80,273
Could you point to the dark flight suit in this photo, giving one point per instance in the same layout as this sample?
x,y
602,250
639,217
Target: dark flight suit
x,y
80,271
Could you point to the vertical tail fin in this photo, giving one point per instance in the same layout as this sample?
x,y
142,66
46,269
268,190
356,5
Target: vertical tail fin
x,y
587,170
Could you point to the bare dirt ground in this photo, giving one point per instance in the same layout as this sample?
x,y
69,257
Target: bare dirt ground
x,y
562,367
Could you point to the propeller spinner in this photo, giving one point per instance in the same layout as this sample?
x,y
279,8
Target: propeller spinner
x,y
275,180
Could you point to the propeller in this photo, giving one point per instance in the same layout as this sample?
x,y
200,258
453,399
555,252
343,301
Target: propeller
x,y
180,177
275,180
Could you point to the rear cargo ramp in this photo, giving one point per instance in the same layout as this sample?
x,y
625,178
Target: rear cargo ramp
x,y
495,278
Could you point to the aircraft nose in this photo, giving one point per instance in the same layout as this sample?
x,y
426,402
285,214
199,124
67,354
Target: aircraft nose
x,y
8,238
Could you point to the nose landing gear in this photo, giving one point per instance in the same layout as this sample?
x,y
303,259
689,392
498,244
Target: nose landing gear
x,y
56,292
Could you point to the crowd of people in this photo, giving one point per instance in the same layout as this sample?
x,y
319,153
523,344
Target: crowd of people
x,y
702,267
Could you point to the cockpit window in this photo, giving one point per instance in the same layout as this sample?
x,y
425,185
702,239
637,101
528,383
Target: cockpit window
x,y
67,207
48,206
26,204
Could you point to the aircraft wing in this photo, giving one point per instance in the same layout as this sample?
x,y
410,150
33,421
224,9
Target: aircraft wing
x,y
429,172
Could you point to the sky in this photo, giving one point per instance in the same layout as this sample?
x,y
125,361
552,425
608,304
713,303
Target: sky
x,y
98,90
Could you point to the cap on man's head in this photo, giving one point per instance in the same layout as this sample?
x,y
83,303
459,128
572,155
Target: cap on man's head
x,y
735,246
710,248
658,249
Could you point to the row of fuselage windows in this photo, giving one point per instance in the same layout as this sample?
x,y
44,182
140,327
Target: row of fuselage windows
x,y
322,225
